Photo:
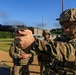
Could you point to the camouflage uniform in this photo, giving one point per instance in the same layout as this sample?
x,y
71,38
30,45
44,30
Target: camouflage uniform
x,y
43,58
62,50
21,66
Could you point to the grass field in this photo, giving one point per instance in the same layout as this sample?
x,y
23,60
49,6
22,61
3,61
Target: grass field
x,y
5,44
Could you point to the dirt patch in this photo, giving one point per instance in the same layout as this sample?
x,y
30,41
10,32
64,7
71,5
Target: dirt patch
x,y
6,59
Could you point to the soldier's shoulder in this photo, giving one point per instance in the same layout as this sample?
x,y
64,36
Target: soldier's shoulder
x,y
61,38
12,44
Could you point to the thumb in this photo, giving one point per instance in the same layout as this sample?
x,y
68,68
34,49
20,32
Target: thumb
x,y
25,32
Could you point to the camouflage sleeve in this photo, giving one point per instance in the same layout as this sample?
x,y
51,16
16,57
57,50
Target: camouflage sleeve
x,y
13,53
61,51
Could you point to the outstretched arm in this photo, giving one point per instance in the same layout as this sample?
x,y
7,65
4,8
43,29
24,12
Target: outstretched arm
x,y
61,51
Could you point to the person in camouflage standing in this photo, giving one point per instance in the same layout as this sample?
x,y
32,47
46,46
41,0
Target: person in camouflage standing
x,y
21,59
63,51
43,58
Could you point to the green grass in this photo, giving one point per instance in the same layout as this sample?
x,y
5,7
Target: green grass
x,y
5,44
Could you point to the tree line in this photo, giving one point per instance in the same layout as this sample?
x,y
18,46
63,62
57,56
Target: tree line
x,y
57,31
4,34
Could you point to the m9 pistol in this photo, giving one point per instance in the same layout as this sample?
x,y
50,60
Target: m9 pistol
x,y
12,28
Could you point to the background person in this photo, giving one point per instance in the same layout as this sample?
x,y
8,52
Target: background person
x,y
44,59
21,59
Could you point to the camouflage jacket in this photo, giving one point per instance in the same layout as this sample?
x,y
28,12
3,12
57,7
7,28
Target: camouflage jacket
x,y
15,53
62,50
43,56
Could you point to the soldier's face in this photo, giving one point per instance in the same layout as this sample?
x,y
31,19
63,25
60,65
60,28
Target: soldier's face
x,y
69,30
46,36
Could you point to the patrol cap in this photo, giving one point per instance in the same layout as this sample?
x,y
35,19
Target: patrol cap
x,y
46,32
68,16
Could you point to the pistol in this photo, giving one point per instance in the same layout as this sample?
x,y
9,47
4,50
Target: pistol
x,y
12,28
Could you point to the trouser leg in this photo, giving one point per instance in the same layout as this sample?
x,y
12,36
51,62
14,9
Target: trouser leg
x,y
25,70
21,70
42,67
16,70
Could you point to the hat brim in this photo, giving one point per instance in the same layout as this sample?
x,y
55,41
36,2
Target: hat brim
x,y
58,19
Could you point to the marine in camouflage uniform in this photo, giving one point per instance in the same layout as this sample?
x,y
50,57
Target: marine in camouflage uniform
x,y
62,51
21,63
43,58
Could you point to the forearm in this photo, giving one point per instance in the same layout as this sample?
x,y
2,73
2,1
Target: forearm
x,y
61,51
57,50
15,55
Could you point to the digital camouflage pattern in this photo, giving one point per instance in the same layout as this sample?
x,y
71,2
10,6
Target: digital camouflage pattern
x,y
20,65
43,58
68,16
45,61
15,53
68,19
62,49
